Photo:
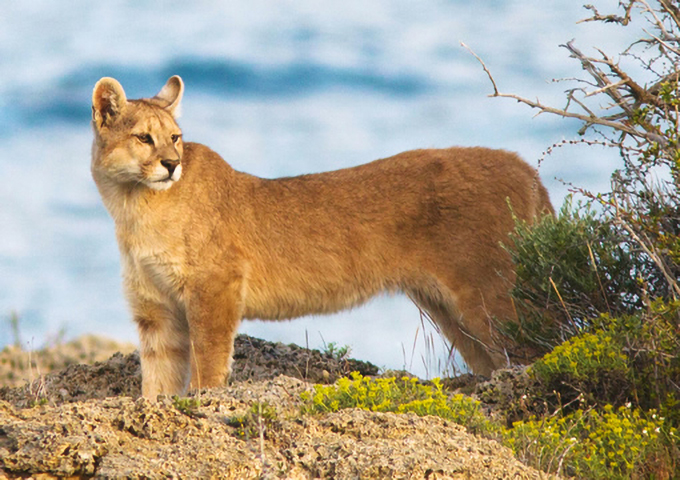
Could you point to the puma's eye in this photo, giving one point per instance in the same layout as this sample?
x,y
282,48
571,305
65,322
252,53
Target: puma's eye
x,y
145,138
175,138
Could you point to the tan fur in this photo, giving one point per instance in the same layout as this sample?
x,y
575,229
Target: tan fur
x,y
204,246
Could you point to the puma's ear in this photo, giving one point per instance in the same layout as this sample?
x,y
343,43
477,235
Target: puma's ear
x,y
108,100
170,95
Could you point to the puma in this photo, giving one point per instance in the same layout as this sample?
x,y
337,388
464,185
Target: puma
x,y
204,246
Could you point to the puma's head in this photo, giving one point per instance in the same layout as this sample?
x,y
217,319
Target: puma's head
x,y
137,142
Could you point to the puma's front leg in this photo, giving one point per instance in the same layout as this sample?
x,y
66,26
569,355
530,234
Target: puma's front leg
x,y
214,310
164,349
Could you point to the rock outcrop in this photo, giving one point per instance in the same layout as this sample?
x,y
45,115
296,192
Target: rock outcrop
x,y
88,421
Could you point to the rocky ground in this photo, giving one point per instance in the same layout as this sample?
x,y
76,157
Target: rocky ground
x,y
83,421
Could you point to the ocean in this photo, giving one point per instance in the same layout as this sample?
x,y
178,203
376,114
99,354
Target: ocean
x,y
278,88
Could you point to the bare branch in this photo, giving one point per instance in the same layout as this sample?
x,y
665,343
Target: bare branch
x,y
495,89
672,10
591,118
648,248
608,18
640,94
656,88
572,97
664,43
586,118
604,89
587,64
657,21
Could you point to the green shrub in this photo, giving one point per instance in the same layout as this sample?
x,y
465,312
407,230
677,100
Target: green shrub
x,y
601,442
628,358
570,268
576,276
582,357
608,284
625,374
336,351
398,396
651,340
607,444
590,367
187,405
260,419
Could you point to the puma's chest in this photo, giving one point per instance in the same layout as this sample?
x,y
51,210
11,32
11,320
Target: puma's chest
x,y
153,266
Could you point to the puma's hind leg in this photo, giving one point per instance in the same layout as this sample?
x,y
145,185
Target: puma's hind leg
x,y
467,325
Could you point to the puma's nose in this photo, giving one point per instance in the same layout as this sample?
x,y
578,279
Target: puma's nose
x,y
170,165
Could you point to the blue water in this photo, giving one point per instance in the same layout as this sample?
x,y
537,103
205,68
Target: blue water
x,y
277,88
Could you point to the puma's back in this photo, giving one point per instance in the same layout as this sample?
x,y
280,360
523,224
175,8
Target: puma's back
x,y
204,246
333,239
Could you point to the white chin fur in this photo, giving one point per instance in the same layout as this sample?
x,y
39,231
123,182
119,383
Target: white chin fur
x,y
165,183
160,186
